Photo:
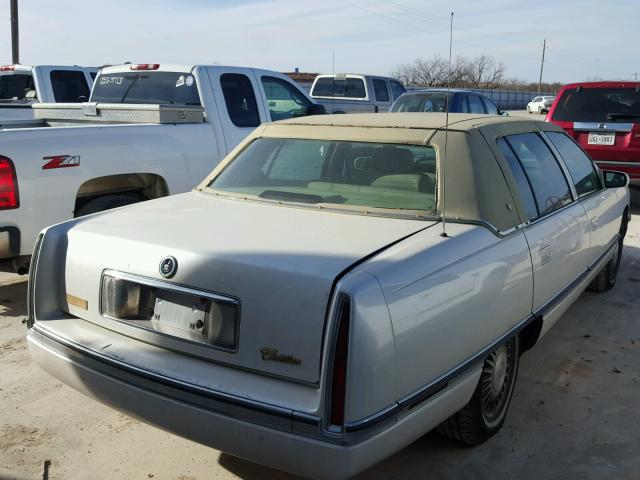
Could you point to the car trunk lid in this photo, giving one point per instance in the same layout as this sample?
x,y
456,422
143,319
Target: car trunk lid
x,y
280,264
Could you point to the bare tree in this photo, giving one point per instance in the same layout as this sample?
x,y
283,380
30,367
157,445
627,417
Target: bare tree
x,y
484,72
432,72
480,72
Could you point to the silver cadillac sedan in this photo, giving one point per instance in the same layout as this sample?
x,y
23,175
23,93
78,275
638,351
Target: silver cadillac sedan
x,y
336,288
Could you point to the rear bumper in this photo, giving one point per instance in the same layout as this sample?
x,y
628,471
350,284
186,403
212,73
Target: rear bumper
x,y
273,439
9,242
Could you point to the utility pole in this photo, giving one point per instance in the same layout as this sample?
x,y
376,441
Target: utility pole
x,y
544,47
15,51
635,75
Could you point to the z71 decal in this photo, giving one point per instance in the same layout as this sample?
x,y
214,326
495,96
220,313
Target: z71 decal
x,y
61,161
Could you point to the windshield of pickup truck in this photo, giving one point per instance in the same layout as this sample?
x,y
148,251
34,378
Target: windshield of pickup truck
x,y
147,87
333,174
598,105
15,86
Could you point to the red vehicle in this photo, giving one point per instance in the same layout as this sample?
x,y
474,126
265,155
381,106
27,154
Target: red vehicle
x,y
604,118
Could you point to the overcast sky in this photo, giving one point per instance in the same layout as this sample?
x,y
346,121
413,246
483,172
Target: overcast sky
x,y
586,38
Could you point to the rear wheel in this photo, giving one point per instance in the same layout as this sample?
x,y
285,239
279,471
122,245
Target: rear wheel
x,y
485,413
528,110
107,202
540,110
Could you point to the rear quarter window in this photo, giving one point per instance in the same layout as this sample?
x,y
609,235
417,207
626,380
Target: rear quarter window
x,y
240,100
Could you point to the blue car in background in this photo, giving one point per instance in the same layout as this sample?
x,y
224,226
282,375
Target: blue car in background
x,y
435,100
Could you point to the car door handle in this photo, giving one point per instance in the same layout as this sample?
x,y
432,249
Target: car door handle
x,y
594,225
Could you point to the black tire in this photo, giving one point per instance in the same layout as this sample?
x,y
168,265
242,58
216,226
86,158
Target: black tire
x,y
528,110
107,202
606,278
485,413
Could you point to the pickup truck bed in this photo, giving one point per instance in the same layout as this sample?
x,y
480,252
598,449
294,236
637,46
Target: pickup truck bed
x,y
152,131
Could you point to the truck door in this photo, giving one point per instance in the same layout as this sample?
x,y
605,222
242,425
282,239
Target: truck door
x,y
238,107
558,232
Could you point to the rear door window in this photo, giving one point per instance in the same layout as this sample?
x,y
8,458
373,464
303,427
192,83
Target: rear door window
x,y
380,90
397,88
69,86
550,188
240,99
599,105
524,187
490,107
580,166
283,99
475,104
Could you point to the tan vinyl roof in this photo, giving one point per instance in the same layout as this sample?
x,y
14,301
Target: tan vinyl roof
x,y
427,121
479,185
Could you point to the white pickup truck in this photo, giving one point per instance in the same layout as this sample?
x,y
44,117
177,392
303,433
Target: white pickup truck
x,y
23,85
355,93
149,131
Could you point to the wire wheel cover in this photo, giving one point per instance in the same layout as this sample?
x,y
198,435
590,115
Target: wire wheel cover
x,y
496,382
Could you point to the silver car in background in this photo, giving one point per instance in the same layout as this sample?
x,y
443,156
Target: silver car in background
x,y
540,104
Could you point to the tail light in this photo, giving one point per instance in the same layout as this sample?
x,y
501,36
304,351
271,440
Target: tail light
x,y
339,371
145,66
7,68
8,185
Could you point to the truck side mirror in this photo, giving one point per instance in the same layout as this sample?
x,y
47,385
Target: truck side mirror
x,y
615,179
316,109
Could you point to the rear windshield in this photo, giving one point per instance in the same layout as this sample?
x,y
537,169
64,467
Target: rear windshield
x,y
339,87
598,105
166,88
336,174
422,102
15,86
69,86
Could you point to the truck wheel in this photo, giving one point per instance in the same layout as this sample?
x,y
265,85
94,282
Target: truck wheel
x,y
484,415
606,278
107,202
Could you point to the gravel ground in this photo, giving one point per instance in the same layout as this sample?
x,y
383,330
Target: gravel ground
x,y
575,413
